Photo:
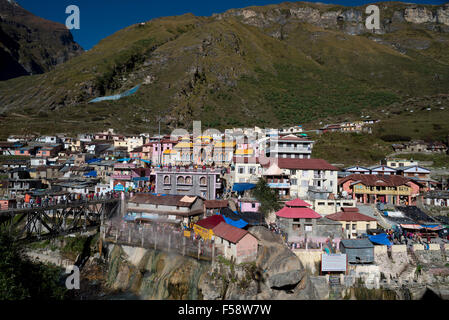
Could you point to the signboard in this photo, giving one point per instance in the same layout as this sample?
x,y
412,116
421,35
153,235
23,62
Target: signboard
x,y
333,262
119,187
187,234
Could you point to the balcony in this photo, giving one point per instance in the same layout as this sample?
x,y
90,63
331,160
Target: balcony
x,y
121,176
279,185
289,150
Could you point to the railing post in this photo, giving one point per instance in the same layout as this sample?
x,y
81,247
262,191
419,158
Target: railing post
x,y
155,237
169,241
183,245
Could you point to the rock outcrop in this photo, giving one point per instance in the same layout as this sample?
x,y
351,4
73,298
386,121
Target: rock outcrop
x,y
31,45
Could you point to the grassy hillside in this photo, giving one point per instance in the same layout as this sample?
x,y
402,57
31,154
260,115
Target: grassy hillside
x,y
267,67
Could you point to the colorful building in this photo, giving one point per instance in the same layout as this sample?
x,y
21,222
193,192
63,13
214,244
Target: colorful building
x,y
392,189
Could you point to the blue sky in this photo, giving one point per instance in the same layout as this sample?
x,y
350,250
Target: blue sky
x,y
101,18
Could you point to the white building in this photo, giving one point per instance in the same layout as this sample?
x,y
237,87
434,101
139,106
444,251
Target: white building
x,y
289,146
296,177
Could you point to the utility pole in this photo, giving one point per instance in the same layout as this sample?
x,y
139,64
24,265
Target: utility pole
x,y
160,141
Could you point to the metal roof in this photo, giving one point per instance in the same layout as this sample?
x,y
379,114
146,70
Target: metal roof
x,y
357,243
333,262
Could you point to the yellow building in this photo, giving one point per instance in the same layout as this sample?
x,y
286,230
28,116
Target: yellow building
x,y
353,222
203,228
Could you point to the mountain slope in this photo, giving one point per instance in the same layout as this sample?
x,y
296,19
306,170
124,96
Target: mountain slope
x,y
29,44
268,66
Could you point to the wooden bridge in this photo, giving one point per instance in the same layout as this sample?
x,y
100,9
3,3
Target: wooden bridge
x,y
43,222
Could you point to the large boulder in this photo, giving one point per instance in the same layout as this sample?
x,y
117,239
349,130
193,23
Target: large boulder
x,y
280,267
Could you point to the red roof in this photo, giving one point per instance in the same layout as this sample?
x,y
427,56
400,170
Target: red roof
x,y
215,204
373,180
302,164
211,222
349,214
228,232
250,160
289,137
298,203
297,213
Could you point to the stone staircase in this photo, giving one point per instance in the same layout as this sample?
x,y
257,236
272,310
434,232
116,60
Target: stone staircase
x,y
336,288
372,211
408,274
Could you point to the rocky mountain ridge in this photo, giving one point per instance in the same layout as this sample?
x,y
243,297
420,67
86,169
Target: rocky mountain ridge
x,y
31,45
268,66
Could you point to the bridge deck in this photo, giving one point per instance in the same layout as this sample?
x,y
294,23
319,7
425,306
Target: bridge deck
x,y
16,211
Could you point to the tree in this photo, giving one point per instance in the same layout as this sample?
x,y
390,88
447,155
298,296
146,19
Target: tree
x,y
22,279
268,198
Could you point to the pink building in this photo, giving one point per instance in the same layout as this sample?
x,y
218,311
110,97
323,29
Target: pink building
x,y
234,243
392,189
248,205
154,150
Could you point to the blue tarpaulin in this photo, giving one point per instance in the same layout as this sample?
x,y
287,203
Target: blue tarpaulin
x,y
380,239
117,96
93,160
91,174
239,187
239,223
124,160
146,161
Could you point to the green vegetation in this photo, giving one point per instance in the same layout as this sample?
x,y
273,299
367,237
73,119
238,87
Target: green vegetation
x,y
22,279
439,160
350,148
74,246
268,198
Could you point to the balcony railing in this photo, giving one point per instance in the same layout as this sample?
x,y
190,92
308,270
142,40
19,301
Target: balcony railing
x,y
289,150
121,176
279,185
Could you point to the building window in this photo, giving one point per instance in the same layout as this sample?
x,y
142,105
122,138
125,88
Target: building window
x,y
188,180
203,181
294,182
347,226
167,180
253,205
241,170
353,227
180,180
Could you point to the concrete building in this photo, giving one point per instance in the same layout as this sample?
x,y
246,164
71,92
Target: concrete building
x,y
246,170
175,209
353,222
359,251
289,146
235,244
295,177
204,182
392,189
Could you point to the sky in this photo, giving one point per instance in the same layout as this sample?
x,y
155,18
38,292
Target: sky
x,y
101,18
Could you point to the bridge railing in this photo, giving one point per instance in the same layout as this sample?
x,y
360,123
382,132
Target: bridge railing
x,y
159,238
